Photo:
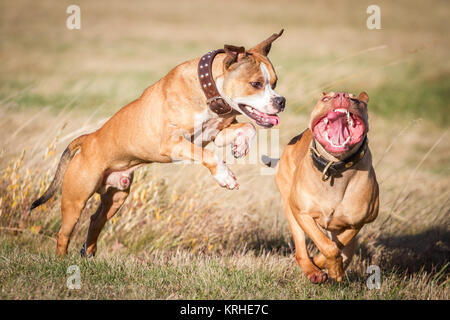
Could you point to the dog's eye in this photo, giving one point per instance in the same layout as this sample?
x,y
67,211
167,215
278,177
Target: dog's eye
x,y
326,99
256,84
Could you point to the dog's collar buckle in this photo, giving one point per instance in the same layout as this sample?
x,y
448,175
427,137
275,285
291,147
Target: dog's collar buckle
x,y
216,103
325,175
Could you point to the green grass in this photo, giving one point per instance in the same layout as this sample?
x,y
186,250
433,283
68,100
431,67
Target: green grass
x,y
429,99
29,271
105,66
176,240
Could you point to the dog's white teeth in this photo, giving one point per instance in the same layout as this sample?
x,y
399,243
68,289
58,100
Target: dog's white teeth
x,y
346,141
335,145
350,120
326,120
329,141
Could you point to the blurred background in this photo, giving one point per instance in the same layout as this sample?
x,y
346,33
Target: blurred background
x,y
56,84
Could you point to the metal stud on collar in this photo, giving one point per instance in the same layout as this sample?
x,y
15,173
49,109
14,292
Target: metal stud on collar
x,y
214,100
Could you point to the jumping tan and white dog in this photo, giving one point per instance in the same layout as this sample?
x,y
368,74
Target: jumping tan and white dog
x,y
328,185
159,127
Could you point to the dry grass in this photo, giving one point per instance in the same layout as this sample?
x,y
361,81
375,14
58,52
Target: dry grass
x,y
178,225
178,209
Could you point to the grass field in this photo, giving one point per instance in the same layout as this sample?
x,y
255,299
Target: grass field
x,y
179,234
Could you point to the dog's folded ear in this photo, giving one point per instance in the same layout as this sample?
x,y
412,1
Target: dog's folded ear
x,y
233,54
264,47
363,96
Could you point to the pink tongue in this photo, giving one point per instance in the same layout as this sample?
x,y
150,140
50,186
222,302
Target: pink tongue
x,y
337,127
274,120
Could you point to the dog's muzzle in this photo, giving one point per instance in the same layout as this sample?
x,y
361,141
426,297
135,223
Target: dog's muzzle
x,y
279,103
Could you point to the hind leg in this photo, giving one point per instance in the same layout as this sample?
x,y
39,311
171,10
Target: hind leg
x,y
111,202
80,181
348,252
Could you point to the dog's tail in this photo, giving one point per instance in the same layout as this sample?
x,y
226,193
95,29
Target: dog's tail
x,y
67,155
270,162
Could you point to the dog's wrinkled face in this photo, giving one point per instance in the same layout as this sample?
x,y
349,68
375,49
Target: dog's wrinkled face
x,y
249,81
339,121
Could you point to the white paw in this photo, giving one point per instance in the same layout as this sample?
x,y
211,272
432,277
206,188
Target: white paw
x,y
225,177
241,146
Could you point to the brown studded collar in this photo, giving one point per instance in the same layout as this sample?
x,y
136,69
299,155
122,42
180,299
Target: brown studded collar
x,y
332,168
216,103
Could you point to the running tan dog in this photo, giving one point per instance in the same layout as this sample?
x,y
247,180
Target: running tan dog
x,y
328,185
195,103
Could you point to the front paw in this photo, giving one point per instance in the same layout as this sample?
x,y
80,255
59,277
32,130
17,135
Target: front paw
x,y
225,177
335,268
241,146
317,277
85,253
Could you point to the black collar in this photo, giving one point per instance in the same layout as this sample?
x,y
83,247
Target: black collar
x,y
333,168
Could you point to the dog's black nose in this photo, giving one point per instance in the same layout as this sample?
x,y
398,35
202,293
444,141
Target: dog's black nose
x,y
280,102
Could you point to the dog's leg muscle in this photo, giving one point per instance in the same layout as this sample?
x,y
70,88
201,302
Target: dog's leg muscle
x,y
283,180
347,253
67,155
111,202
80,182
314,274
240,134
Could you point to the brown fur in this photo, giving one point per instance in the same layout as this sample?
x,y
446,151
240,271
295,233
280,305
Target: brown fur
x,y
157,127
330,212
67,155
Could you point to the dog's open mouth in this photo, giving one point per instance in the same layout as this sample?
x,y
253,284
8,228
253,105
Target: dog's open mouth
x,y
339,130
263,119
